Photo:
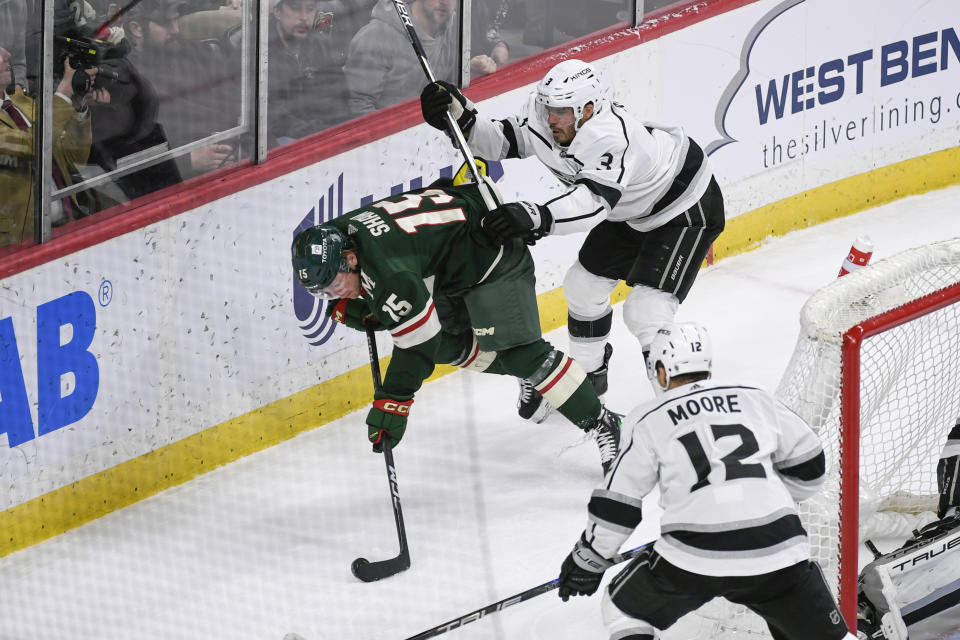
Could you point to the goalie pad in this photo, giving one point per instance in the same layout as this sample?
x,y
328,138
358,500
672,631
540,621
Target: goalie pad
x,y
914,592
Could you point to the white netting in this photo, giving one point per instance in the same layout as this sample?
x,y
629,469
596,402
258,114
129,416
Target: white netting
x,y
909,400
909,394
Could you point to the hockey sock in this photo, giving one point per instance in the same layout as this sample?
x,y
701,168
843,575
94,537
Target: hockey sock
x,y
557,377
564,384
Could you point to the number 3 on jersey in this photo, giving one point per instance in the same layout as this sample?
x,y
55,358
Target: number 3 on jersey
x,y
407,201
732,462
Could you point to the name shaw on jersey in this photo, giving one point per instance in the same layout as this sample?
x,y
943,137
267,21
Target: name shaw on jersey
x,y
373,222
686,409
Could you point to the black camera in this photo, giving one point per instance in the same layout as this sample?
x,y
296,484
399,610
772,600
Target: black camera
x,y
83,54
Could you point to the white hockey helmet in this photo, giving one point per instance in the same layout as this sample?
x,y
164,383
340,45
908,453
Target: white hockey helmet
x,y
572,83
684,347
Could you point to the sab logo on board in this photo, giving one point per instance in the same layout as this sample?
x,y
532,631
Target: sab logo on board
x,y
54,360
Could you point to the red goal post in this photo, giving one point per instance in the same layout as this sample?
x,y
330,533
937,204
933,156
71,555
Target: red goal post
x,y
876,371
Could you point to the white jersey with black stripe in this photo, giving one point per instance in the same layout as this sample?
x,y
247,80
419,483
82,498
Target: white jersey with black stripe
x,y
617,168
730,461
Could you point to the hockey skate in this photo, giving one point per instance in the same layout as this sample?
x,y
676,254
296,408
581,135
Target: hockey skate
x,y
531,405
598,377
606,431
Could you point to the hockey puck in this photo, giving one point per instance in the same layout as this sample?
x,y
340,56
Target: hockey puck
x,y
355,567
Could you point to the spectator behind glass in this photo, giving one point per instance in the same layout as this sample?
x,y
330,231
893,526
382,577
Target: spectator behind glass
x,y
71,145
382,68
486,20
308,91
198,91
13,31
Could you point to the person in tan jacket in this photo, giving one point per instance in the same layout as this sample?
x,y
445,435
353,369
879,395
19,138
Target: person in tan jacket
x,y
71,146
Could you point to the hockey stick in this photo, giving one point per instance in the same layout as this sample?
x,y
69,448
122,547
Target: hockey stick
x,y
523,596
361,567
461,143
103,30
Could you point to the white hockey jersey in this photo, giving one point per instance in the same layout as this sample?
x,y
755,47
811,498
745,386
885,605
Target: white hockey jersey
x,y
730,461
617,168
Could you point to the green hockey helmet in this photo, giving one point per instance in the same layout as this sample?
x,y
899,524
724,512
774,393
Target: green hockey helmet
x,y
318,258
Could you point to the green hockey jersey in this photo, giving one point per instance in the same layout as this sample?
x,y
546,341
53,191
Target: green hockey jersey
x,y
410,246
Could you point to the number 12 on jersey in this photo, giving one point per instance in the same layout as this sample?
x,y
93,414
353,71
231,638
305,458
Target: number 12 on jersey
x,y
732,462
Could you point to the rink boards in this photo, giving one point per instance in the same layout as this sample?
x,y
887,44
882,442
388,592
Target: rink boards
x,y
136,363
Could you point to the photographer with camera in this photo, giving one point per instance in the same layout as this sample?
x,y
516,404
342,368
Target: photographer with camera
x,y
71,139
83,56
128,123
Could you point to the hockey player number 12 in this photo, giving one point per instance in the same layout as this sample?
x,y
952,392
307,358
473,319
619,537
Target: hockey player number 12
x,y
732,462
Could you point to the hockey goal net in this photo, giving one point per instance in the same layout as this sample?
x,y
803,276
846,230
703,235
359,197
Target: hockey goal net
x,y
876,372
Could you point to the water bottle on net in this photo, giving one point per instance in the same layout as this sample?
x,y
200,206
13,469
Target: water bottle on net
x,y
858,257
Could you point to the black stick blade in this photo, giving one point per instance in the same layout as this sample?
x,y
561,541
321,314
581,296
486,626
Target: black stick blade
x,y
368,571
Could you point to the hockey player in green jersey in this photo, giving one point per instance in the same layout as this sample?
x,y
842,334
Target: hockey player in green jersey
x,y
419,264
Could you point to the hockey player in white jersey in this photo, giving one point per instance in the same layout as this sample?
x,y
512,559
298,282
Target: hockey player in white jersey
x,y
644,191
730,461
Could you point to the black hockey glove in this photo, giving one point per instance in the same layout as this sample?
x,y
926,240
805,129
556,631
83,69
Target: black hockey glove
x,y
437,97
518,220
353,313
582,571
